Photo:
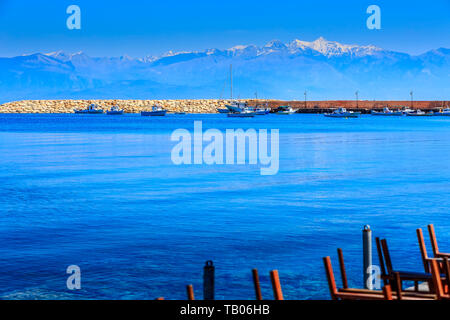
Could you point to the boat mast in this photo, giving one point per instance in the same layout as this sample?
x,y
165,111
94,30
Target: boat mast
x,y
231,81
305,99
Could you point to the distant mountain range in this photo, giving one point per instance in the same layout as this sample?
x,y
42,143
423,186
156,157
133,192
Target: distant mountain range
x,y
327,70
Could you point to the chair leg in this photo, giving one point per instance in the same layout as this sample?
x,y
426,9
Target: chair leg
x,y
387,292
446,265
190,292
387,256
437,283
399,286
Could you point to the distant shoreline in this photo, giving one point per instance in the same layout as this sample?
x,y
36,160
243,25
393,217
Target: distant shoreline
x,y
204,106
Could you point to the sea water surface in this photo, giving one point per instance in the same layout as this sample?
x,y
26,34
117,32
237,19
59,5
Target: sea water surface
x,y
102,193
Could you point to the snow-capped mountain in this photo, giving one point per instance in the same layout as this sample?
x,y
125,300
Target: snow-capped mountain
x,y
332,48
327,69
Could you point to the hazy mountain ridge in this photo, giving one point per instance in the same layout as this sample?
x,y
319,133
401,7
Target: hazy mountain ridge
x,y
326,69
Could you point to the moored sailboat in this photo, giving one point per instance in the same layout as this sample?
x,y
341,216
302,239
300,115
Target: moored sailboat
x,y
237,109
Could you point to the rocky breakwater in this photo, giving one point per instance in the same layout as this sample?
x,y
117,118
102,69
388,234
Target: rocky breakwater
x,y
130,106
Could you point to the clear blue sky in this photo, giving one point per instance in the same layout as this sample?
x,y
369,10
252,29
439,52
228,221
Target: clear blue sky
x,y
138,28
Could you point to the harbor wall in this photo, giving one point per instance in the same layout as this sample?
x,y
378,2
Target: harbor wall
x,y
204,106
364,106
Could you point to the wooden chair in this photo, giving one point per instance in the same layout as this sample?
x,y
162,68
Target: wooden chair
x,y
436,252
423,251
400,295
347,293
345,287
396,277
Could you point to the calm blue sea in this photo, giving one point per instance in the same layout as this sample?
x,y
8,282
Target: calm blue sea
x,y
102,193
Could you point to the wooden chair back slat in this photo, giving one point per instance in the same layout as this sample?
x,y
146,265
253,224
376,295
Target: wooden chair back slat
x,y
278,294
342,267
256,284
381,260
330,277
387,256
423,250
433,240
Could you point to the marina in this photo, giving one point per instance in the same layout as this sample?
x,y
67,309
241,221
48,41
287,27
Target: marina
x,y
211,106
239,109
